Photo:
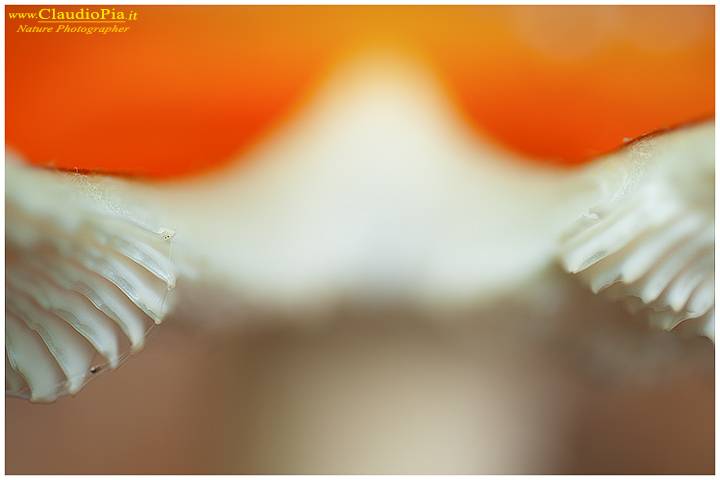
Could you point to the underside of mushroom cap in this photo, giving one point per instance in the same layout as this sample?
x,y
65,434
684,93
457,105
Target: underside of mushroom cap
x,y
86,279
651,242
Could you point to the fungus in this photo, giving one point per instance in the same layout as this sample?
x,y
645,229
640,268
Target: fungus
x,y
353,172
375,191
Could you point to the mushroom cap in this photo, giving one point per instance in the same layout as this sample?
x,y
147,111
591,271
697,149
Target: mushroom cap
x,y
377,192
556,84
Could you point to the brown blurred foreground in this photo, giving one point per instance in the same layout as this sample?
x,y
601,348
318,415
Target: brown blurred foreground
x,y
362,398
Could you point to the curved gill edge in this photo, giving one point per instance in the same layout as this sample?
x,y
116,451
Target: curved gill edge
x,y
85,283
650,243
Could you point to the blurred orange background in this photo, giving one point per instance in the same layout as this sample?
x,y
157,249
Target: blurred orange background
x,y
188,88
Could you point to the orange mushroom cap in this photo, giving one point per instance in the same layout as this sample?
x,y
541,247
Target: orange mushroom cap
x,y
185,88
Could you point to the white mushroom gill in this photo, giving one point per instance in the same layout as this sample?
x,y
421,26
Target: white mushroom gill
x,y
82,275
377,192
651,242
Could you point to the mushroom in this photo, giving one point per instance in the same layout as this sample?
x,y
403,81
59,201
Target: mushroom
x,y
638,222
376,192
